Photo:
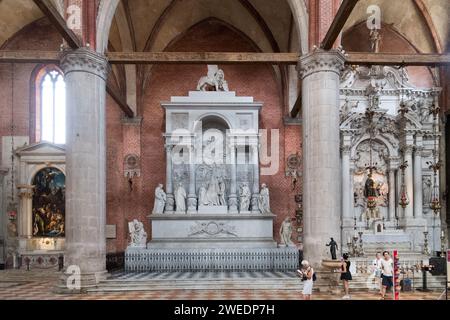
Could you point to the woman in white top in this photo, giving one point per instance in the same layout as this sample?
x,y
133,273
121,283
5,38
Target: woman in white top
x,y
306,273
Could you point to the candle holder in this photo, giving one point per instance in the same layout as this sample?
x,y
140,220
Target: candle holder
x,y
361,249
426,251
353,246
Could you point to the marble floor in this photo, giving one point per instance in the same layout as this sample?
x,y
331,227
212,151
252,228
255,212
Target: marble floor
x,y
22,285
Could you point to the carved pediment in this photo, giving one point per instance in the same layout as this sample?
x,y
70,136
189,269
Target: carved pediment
x,y
41,149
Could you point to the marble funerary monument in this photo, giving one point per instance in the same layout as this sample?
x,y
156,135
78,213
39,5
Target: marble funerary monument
x,y
213,213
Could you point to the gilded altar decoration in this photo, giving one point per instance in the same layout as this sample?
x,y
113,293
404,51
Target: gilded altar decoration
x,y
49,203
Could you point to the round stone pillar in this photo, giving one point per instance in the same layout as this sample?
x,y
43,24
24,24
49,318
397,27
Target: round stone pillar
x,y
320,72
85,257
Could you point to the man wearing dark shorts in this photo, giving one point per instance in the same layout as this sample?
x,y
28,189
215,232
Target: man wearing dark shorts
x,y
387,269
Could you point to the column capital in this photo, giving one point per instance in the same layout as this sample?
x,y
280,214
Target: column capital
x,y
85,60
321,60
345,149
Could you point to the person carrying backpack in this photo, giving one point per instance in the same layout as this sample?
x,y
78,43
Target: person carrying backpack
x,y
307,275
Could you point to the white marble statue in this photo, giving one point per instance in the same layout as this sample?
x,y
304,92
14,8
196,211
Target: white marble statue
x,y
180,198
286,232
138,236
160,200
264,199
245,196
202,200
222,191
214,81
212,194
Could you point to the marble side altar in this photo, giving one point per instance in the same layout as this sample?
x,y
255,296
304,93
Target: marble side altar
x,y
213,207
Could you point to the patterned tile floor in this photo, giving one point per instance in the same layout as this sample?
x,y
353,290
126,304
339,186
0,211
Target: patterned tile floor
x,y
19,285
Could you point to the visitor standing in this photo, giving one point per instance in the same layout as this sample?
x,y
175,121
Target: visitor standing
x,y
306,274
387,267
346,275
376,265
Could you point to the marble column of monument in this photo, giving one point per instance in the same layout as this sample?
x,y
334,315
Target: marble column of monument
x,y
85,75
170,203
254,151
320,71
233,198
192,197
418,200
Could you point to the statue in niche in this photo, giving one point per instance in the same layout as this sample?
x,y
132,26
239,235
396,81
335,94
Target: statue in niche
x,y
202,200
214,81
160,200
245,196
212,194
383,191
264,200
138,236
370,188
222,191
427,187
286,232
180,198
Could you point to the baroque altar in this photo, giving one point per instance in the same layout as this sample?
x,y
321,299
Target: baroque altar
x,y
403,131
212,213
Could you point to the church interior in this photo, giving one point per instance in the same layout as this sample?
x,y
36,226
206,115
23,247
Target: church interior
x,y
221,144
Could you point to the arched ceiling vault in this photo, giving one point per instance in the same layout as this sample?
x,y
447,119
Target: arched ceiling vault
x,y
424,23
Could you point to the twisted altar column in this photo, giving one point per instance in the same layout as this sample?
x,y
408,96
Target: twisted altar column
x,y
320,71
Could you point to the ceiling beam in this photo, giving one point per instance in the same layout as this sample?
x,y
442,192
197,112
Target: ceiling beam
x,y
74,42
338,23
202,58
397,59
297,106
59,23
352,58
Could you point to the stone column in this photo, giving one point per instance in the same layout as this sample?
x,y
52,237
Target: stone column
x,y
192,196
85,75
255,161
418,199
233,198
407,153
320,72
170,203
392,204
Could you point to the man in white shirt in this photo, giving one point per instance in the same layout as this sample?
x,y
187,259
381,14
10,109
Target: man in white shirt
x,y
387,269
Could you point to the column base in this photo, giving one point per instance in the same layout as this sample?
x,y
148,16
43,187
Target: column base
x,y
68,283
